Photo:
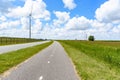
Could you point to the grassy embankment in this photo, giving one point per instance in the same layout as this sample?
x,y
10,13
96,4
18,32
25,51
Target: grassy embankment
x,y
12,40
95,60
11,59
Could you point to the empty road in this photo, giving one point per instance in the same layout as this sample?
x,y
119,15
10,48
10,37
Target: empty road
x,y
8,48
51,63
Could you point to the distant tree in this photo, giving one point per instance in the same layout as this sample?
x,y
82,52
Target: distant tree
x,y
91,38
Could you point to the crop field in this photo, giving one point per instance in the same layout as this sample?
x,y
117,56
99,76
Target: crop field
x,y
11,40
97,60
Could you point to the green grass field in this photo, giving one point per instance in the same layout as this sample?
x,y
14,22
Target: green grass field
x,y
12,59
11,40
98,60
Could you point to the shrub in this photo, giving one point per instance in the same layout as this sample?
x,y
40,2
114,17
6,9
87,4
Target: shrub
x,y
91,38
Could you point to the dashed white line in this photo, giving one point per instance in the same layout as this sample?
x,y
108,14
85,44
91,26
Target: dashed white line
x,y
48,62
41,77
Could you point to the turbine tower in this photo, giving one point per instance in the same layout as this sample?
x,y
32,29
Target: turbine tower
x,y
86,36
30,26
30,20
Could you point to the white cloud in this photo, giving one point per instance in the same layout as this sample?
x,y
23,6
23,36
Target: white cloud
x,y
5,5
4,25
70,4
2,18
13,24
101,26
38,8
78,23
24,23
116,29
10,24
14,33
16,21
109,11
62,18
37,27
63,27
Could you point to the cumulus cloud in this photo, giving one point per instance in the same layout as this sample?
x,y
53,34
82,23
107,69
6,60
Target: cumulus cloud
x,y
101,26
109,12
78,23
2,18
5,5
70,4
37,7
14,33
24,23
10,24
16,22
37,27
116,29
13,24
62,18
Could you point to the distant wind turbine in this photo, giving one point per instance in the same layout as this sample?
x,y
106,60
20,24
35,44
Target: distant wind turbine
x,y
86,36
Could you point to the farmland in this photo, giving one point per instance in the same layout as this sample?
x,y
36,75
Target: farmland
x,y
98,60
12,40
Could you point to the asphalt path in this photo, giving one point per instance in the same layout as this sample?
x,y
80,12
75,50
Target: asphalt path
x,y
51,63
8,48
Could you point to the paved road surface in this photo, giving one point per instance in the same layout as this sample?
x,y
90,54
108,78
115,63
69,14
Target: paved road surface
x,y
8,48
50,64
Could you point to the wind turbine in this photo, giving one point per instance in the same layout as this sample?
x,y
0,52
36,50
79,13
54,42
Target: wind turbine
x,y
85,34
30,20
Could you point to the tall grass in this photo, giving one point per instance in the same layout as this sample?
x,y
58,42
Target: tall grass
x,y
94,60
107,54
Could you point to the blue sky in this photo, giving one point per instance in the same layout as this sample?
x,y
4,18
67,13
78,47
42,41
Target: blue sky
x,y
61,19
85,8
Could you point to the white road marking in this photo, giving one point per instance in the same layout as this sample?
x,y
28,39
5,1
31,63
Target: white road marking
x,y
48,62
41,77
0,79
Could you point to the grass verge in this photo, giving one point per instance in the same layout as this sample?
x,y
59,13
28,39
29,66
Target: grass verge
x,y
88,67
12,59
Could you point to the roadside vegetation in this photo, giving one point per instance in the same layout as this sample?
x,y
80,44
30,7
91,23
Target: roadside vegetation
x,y
12,59
12,40
96,60
91,38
